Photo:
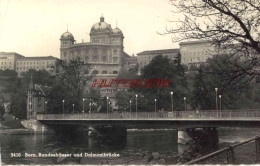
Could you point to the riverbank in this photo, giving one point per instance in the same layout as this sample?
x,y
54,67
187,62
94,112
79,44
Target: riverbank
x,y
14,127
16,131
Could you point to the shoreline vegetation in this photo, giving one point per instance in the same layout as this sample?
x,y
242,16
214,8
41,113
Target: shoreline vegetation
x,y
13,127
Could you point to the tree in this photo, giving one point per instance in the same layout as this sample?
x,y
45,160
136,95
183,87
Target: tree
x,y
218,74
130,74
2,109
69,86
19,100
122,100
231,25
162,68
18,89
93,98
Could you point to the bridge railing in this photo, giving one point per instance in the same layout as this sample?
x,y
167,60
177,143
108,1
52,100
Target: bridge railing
x,y
247,152
212,114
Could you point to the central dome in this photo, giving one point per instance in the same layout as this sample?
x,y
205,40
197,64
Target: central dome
x,y
101,26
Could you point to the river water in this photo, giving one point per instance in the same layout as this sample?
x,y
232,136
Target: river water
x,y
132,151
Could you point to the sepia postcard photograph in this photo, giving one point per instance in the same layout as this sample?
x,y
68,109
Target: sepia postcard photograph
x,y
129,82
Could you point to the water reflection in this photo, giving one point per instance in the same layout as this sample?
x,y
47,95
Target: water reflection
x,y
132,148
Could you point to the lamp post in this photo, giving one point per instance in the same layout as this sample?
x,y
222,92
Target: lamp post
x,y
107,106
90,106
136,105
130,108
30,108
185,103
172,101
63,107
73,108
46,106
216,90
155,107
220,104
83,106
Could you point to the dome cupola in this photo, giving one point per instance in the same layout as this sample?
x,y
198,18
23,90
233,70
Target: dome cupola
x,y
117,31
101,26
67,35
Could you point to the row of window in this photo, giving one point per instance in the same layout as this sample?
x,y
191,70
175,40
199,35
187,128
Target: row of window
x,y
37,62
104,40
6,67
191,53
92,51
30,98
103,72
4,63
107,91
29,67
31,113
190,59
96,58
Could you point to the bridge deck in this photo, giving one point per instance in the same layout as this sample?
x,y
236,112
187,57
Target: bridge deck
x,y
181,115
189,119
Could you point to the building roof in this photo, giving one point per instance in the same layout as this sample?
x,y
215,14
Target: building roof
x,y
195,42
117,31
38,58
159,51
101,26
11,53
67,35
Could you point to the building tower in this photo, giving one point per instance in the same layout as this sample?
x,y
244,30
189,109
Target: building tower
x,y
36,99
30,105
66,40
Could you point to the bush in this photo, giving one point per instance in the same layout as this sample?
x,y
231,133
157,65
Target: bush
x,y
12,124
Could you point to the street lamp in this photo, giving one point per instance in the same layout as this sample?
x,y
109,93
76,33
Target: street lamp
x,y
73,108
46,106
172,101
83,106
63,107
155,106
107,106
216,90
185,103
220,104
130,108
30,107
90,106
136,105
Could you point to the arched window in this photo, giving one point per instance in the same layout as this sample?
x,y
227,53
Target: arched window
x,y
104,72
115,72
95,72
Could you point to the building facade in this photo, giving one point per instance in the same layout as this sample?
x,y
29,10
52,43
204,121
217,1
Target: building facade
x,y
145,57
38,63
103,55
8,60
196,52
36,100
20,63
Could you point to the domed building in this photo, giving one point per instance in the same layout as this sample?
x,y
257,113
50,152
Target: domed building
x,y
104,54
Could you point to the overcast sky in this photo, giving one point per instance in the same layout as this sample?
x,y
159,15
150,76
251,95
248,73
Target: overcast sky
x,y
33,28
